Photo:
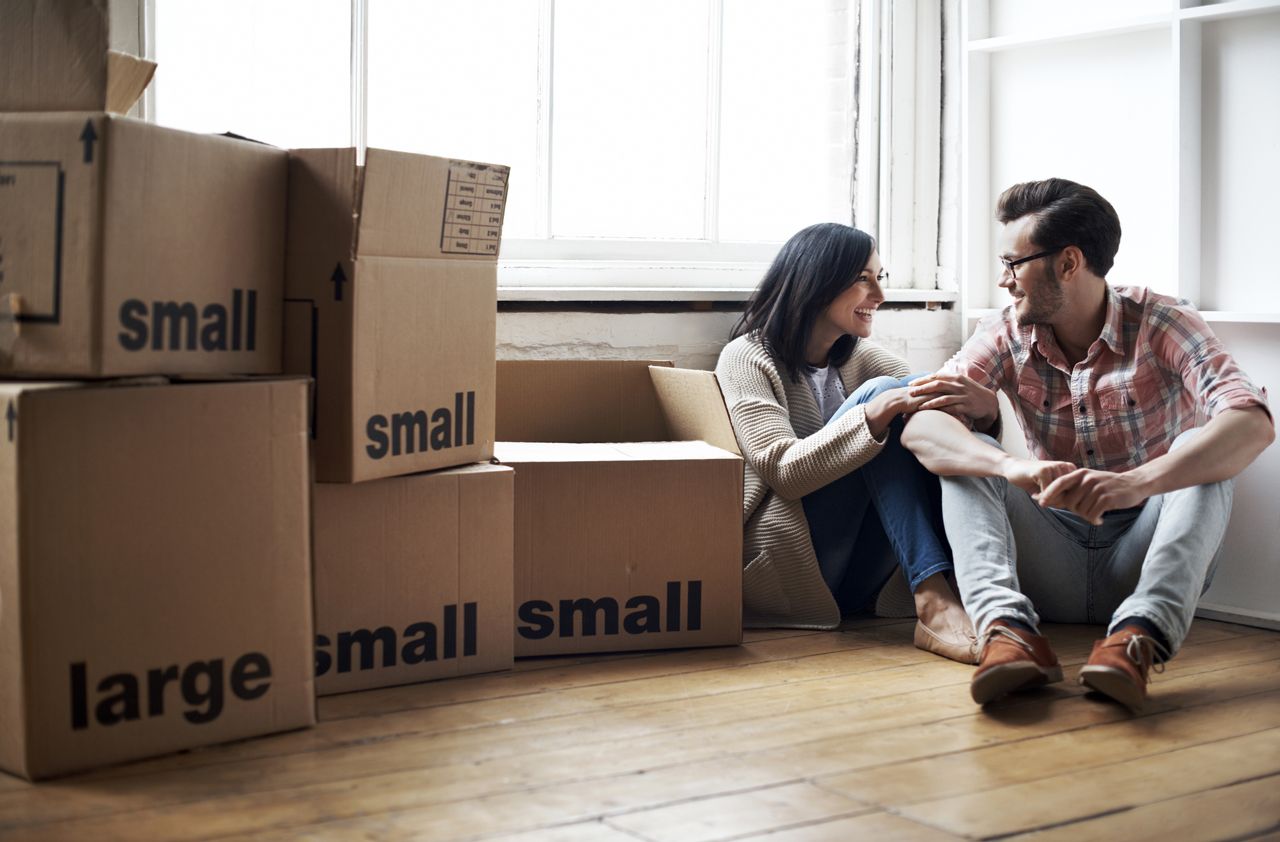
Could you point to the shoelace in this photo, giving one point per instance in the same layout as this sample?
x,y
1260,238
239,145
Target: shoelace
x,y
1004,631
1142,650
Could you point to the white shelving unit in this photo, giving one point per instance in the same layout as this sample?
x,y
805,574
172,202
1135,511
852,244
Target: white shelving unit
x,y
1171,110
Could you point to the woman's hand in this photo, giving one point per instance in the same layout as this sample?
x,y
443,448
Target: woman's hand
x,y
887,405
959,396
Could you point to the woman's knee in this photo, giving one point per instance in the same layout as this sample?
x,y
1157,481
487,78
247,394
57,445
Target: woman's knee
x,y
875,387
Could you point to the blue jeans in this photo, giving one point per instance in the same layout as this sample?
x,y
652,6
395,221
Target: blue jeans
x,y
1019,561
887,513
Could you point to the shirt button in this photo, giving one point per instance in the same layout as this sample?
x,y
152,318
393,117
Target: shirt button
x,y
1046,404
1082,408
1088,452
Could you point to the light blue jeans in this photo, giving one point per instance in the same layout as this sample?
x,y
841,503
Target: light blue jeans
x,y
883,515
1017,560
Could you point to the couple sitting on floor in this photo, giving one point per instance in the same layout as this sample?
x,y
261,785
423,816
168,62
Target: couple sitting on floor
x,y
1136,418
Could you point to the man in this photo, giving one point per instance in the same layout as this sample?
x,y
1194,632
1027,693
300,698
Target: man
x,y
1137,420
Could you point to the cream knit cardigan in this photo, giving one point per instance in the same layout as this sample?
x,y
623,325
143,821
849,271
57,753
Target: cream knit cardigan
x,y
788,454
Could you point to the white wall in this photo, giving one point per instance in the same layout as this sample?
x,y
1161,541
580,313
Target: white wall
x,y
926,338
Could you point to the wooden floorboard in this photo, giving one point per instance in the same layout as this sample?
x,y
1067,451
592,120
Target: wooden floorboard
x,y
798,735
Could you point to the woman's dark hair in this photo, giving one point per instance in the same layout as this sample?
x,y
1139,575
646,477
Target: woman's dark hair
x,y
813,267
1067,214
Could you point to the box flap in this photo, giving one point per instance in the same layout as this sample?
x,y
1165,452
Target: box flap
x,y
529,452
693,406
53,55
578,401
423,206
127,77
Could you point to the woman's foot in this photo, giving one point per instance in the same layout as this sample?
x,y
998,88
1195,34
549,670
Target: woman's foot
x,y
942,626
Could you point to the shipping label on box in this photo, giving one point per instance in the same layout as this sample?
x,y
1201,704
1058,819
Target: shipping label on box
x,y
160,535
391,305
128,248
626,546
413,578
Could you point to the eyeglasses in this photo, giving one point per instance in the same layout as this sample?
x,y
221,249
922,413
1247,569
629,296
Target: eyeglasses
x,y
1011,265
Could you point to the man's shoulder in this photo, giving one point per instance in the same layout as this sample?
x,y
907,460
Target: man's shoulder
x,y
1146,300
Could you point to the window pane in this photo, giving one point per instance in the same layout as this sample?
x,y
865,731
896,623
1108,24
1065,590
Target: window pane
x,y
277,72
786,124
459,80
629,119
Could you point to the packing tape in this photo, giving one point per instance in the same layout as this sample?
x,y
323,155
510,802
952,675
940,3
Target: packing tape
x,y
10,327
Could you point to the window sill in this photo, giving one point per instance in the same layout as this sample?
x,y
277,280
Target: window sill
x,y
929,297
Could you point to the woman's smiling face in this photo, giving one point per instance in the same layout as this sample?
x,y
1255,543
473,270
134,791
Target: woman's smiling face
x,y
853,310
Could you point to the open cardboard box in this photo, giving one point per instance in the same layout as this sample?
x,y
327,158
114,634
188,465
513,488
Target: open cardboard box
x,y
391,305
125,248
625,537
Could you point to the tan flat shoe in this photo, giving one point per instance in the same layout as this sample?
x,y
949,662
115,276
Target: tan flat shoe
x,y
958,646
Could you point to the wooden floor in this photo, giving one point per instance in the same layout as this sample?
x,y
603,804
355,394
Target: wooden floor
x,y
801,736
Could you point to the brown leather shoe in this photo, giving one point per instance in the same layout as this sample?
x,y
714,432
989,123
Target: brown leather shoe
x,y
1120,666
1012,659
957,644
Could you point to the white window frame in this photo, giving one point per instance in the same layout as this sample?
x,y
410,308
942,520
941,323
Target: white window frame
x,y
898,77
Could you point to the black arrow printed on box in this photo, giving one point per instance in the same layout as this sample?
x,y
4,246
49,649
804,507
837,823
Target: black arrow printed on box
x,y
88,136
11,415
339,278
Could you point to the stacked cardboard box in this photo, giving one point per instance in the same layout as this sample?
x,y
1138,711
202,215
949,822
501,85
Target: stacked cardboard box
x,y
391,304
154,536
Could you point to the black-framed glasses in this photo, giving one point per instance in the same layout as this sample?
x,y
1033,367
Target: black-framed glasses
x,y
1011,265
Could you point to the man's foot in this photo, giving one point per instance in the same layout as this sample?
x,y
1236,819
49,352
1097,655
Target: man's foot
x,y
943,627
1012,659
1120,664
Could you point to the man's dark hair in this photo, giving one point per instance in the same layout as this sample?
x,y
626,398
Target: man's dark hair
x,y
812,268
1067,214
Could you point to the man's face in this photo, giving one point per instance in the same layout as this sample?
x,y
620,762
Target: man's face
x,y
1034,285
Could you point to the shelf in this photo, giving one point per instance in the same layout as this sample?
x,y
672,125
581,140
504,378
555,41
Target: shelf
x,y
1216,11
1211,316
1234,9
1120,27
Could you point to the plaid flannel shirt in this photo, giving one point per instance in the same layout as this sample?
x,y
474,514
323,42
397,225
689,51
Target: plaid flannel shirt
x,y
1156,370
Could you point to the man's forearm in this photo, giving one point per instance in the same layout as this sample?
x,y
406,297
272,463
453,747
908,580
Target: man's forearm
x,y
947,448
1223,448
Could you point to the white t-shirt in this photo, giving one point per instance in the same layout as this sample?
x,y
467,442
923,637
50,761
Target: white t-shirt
x,y
828,390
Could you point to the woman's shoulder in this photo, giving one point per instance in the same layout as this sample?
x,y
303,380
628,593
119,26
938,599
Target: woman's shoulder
x,y
746,349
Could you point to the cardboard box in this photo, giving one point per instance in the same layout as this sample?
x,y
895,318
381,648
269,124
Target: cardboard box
x,y
413,578
128,248
624,539
391,307
55,57
155,580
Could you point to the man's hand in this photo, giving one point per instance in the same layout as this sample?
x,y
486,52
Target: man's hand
x,y
1034,476
959,396
1091,493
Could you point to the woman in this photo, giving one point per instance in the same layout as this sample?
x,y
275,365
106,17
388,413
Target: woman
x,y
833,500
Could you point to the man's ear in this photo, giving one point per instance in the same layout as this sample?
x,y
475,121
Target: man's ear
x,y
1072,260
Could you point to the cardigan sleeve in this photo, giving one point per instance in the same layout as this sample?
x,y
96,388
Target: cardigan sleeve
x,y
790,465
